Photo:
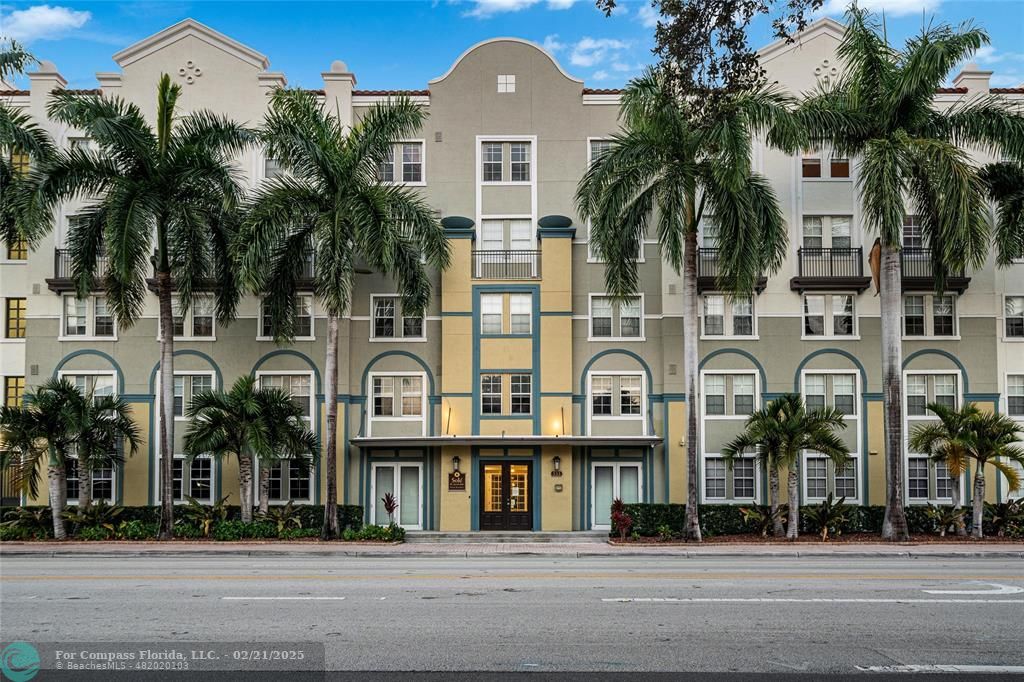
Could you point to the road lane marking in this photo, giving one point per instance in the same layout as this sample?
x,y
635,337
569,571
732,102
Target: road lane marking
x,y
1000,589
805,600
942,668
282,598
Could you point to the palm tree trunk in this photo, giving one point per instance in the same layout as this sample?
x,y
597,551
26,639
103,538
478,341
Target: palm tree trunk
x,y
57,489
778,530
961,529
979,501
894,527
793,483
690,370
163,288
330,527
245,486
264,487
84,485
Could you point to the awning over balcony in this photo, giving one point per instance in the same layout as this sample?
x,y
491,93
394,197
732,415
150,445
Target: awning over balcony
x,y
505,441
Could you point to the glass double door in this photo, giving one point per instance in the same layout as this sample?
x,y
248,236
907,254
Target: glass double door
x,y
405,483
613,481
506,496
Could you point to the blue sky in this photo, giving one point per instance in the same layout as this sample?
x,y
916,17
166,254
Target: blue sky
x,y
405,43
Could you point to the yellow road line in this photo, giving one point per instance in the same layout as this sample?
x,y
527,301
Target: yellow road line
x,y
513,576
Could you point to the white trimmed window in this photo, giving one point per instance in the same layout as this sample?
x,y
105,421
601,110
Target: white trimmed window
x,y
506,161
913,234
724,484
291,480
192,479
730,395
87,318
617,395
623,321
303,319
102,481
491,313
826,231
490,394
1015,396
389,322
928,481
929,315
521,393
1013,316
399,396
725,317
403,163
838,390
829,316
186,386
520,313
198,321
597,148
506,83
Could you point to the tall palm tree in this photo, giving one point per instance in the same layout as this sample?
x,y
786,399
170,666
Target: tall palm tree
x,y
331,204
882,112
667,161
969,433
170,188
19,137
948,441
778,433
102,426
249,423
42,426
1005,184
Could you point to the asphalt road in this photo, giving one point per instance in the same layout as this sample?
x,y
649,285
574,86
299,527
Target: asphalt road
x,y
534,614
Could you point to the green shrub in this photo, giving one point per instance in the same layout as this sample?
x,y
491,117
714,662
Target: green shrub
x,y
389,533
299,533
27,523
97,515
93,533
203,516
185,530
11,533
137,530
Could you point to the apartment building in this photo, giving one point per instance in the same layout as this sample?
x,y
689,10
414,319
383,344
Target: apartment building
x,y
525,398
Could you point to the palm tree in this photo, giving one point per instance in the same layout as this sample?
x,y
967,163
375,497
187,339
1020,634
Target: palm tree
x,y
686,167
102,426
19,137
42,425
882,112
986,438
1005,184
948,441
170,188
778,433
330,204
250,423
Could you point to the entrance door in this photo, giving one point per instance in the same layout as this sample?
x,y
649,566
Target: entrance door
x,y
611,481
405,483
507,497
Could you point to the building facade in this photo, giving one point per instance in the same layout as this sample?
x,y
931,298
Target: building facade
x,y
525,398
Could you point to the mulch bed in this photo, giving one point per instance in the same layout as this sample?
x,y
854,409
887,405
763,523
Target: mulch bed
x,y
845,539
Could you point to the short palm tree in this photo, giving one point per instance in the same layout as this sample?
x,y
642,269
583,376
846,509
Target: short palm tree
x,y
778,433
170,187
330,203
948,441
103,425
252,424
882,112
19,137
986,438
50,423
670,165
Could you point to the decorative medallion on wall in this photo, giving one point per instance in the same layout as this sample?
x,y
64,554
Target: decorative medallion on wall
x,y
190,72
826,72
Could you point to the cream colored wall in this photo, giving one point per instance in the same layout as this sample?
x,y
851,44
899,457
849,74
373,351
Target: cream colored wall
x,y
456,506
556,506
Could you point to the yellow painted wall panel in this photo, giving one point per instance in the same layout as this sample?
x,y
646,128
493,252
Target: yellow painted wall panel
x,y
455,506
556,506
876,463
505,353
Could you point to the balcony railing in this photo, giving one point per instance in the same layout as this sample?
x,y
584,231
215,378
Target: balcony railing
x,y
830,268
919,272
708,272
64,271
304,281
506,264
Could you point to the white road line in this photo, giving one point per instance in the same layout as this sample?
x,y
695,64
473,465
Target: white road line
x,y
1000,589
952,668
282,598
822,600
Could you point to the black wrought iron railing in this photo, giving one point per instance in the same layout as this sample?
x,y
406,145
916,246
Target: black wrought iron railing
x,y
826,263
506,264
917,263
707,263
64,269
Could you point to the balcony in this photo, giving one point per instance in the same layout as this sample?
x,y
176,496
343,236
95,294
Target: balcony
x,y
63,272
303,283
830,269
506,265
919,272
707,272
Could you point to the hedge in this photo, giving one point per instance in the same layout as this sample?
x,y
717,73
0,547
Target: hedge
x,y
726,519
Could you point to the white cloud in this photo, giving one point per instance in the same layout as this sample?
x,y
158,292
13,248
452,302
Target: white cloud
x,y
561,4
43,22
892,8
552,44
592,51
647,16
601,75
488,8
1007,80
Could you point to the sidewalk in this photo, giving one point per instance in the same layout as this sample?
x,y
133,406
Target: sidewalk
x,y
574,550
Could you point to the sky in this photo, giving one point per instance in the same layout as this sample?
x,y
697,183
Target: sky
x,y
402,44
